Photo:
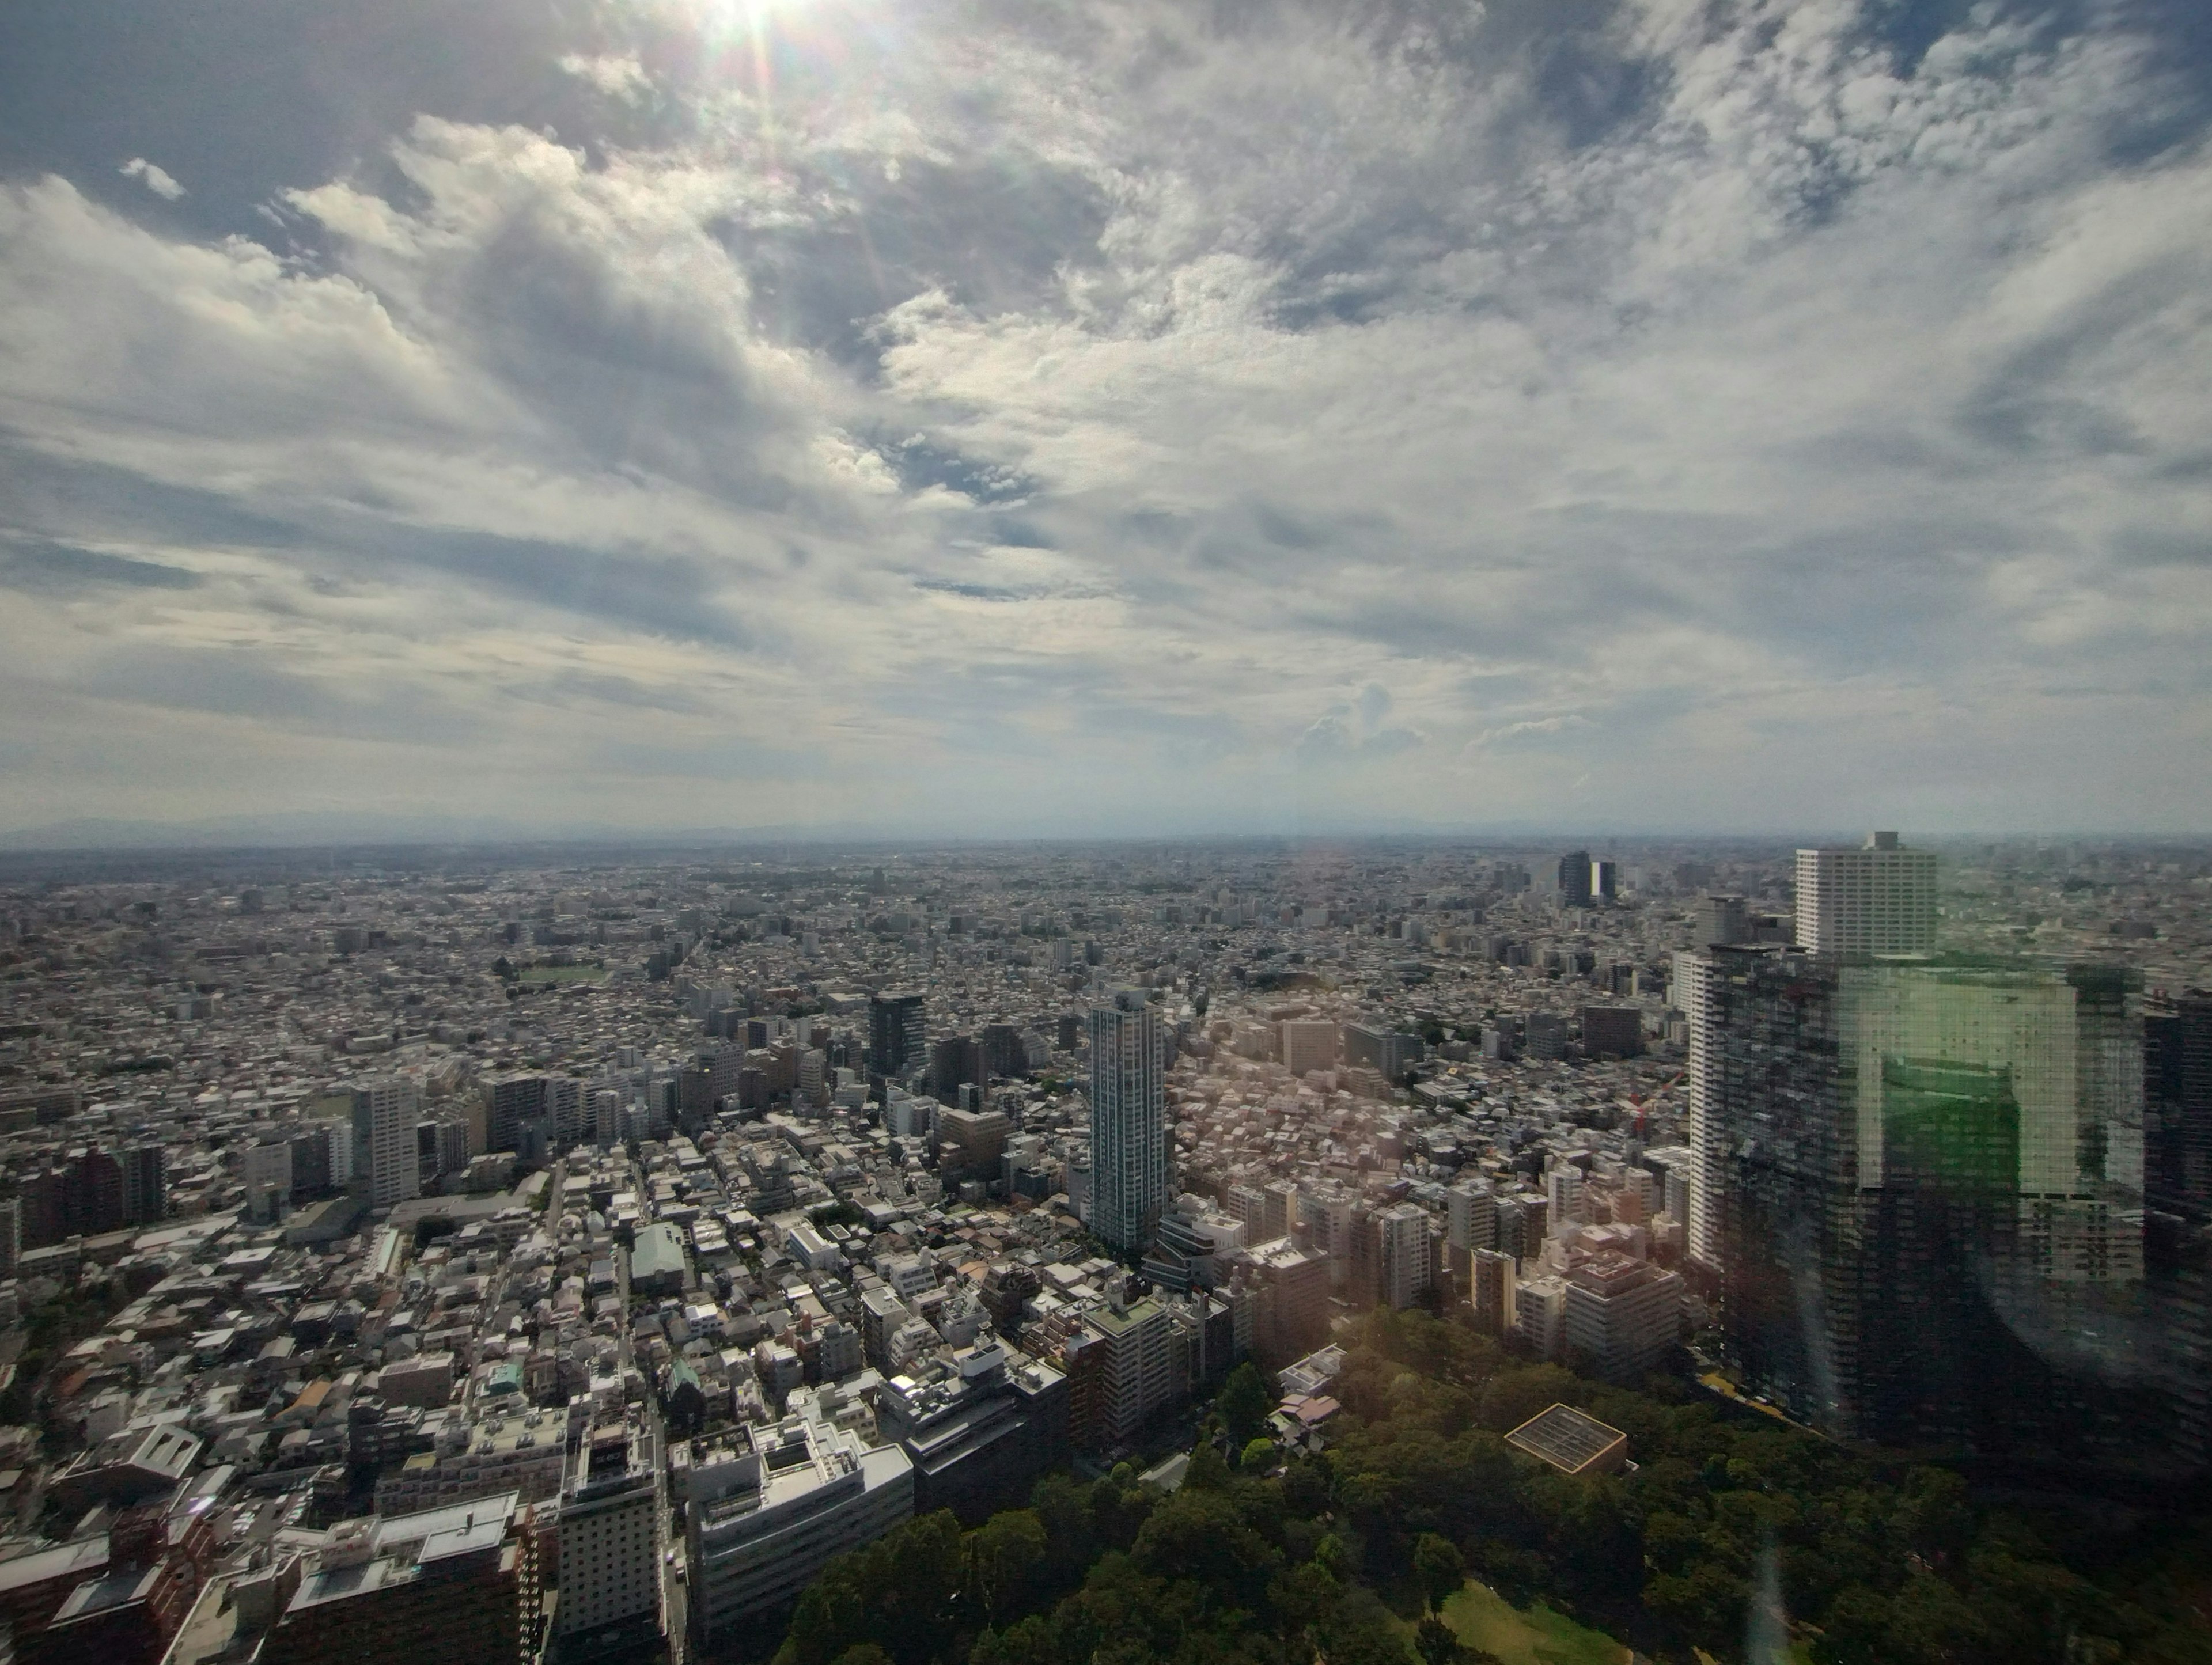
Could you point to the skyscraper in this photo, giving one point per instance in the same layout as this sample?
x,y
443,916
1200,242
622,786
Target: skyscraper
x,y
1918,1183
1575,879
2178,1217
896,1034
564,1112
92,1193
1722,919
386,1158
1492,1277
2178,1105
512,1101
1877,899
145,1184
1309,1044
954,1062
1129,1121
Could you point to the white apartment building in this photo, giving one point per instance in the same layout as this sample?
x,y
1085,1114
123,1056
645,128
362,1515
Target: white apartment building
x,y
385,1150
1138,1374
1625,1314
1404,1264
1877,899
1539,1311
1309,1044
266,1172
1471,1216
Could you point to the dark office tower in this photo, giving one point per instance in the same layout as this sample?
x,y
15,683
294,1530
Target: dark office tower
x,y
1605,881
896,1037
92,1194
2178,1106
515,1100
1071,1031
1575,879
145,1184
954,1062
1936,1357
1003,1054
44,1196
2178,1225
1915,1181
310,1162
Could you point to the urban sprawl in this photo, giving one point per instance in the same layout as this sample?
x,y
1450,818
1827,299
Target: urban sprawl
x,y
468,1255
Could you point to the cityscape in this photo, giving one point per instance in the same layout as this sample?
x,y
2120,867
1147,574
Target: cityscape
x,y
575,1256
1105,832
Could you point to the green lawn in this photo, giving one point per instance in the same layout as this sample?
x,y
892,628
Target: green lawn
x,y
1536,1636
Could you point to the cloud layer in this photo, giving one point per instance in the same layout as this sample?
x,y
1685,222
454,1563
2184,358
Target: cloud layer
x,y
1010,418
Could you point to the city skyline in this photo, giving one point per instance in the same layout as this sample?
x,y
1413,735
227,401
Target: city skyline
x,y
987,419
637,1256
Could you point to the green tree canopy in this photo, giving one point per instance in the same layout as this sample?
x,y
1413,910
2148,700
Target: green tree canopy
x,y
1438,1569
1245,1402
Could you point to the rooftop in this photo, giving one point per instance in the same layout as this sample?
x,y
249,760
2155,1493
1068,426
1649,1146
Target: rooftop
x,y
1570,1442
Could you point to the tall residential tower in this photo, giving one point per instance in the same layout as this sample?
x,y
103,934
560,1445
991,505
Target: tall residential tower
x,y
1129,1121
1877,899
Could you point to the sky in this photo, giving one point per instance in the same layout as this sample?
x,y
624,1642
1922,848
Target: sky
x,y
1151,417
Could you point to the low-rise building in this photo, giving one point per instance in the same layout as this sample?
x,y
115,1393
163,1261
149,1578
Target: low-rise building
x,y
768,1508
979,1433
439,1586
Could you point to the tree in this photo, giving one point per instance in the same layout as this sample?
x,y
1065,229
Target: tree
x,y
1003,1558
1258,1455
1437,1643
1305,1486
1201,1536
1438,1569
1207,1472
1359,1631
1246,1400
1071,1542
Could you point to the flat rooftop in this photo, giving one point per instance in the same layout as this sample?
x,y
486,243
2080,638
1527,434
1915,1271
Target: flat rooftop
x,y
1572,1442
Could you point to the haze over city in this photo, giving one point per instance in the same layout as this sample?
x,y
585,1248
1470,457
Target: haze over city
x,y
1141,418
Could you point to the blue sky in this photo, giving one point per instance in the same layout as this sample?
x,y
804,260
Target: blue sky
x,y
1009,419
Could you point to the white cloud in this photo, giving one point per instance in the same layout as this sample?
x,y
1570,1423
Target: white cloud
x,y
1061,401
156,180
622,77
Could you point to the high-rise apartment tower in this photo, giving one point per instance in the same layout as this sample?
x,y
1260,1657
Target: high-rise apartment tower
x,y
1877,899
1129,1121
